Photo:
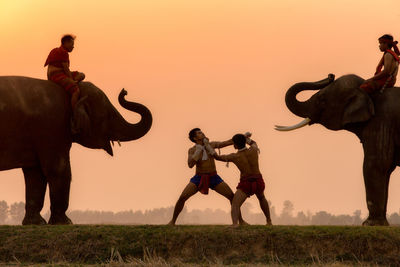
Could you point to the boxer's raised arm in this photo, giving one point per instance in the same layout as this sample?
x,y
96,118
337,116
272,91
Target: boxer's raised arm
x,y
222,144
212,152
226,143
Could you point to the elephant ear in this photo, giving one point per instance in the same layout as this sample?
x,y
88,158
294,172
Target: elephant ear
x,y
359,107
80,118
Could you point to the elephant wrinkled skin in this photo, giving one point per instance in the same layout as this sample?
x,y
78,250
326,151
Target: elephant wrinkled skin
x,y
36,136
340,104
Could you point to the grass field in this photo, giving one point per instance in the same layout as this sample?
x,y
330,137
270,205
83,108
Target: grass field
x,y
205,245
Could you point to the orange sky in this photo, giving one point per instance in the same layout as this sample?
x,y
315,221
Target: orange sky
x,y
222,65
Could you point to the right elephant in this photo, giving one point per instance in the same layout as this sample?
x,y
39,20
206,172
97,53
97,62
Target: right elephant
x,y
375,119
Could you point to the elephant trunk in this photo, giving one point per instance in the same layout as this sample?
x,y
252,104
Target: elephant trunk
x,y
301,109
125,131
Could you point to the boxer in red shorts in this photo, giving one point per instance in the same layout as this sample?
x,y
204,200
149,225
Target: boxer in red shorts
x,y
251,181
58,68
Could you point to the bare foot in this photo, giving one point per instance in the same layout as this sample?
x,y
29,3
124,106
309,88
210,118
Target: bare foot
x,y
235,225
171,223
269,223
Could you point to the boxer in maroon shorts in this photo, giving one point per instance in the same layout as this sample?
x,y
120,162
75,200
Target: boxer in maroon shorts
x,y
251,181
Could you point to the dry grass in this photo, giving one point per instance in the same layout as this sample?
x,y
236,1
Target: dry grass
x,y
157,263
106,245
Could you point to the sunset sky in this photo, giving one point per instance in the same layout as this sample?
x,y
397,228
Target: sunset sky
x,y
221,65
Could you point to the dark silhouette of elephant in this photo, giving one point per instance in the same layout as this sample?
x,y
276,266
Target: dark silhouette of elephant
x,y
36,136
375,119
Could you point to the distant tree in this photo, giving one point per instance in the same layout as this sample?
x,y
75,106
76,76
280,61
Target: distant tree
x,y
246,210
302,219
17,212
3,211
309,216
197,216
341,220
321,218
288,208
272,211
394,218
221,217
183,217
287,212
129,217
357,217
159,215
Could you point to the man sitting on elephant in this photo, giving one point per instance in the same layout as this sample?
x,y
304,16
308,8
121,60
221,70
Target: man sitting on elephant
x,y
58,68
385,78
251,180
206,174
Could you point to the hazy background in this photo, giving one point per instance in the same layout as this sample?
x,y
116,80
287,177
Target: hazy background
x,y
221,65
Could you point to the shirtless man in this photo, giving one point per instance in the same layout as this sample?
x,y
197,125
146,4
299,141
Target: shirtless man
x,y
251,181
206,174
385,78
58,68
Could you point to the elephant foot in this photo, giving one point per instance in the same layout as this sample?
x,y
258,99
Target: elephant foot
x,y
59,220
375,222
33,219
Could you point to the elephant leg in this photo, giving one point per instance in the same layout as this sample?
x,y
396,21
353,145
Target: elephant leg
x,y
58,174
35,189
387,186
376,178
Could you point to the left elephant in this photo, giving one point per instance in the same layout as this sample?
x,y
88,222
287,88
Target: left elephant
x,y
35,116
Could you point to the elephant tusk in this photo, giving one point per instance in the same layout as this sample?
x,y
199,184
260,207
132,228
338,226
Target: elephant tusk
x,y
294,127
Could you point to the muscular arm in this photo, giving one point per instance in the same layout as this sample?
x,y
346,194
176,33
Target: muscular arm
x,y
226,143
221,144
225,158
66,69
387,68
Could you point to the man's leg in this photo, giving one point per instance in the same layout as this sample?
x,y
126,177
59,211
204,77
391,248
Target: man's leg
x,y
371,86
237,202
264,207
75,97
189,191
76,77
226,191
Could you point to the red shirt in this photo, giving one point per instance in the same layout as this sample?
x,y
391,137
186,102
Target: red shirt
x,y
57,56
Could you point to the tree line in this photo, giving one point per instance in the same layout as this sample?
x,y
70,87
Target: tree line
x,y
14,213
